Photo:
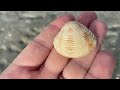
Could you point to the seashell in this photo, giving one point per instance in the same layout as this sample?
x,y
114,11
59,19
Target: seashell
x,y
74,40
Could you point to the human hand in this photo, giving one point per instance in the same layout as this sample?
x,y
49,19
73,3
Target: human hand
x,y
39,60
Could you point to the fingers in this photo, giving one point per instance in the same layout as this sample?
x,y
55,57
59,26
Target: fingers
x,y
38,50
54,65
102,67
85,62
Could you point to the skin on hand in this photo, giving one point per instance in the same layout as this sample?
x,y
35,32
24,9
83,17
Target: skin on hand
x,y
39,60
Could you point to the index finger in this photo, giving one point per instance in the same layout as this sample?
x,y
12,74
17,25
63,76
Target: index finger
x,y
37,51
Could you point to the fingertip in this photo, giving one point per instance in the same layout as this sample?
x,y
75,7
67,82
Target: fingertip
x,y
89,12
66,15
86,17
108,56
99,28
61,20
99,23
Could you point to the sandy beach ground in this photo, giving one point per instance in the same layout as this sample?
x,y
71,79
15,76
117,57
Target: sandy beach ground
x,y
18,28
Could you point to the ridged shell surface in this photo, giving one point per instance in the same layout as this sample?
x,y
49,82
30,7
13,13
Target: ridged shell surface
x,y
74,40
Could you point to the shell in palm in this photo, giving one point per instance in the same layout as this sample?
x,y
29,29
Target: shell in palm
x,y
74,40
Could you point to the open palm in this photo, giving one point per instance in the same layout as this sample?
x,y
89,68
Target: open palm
x,y
39,60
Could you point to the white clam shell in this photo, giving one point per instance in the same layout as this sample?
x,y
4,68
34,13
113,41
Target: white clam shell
x,y
74,40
